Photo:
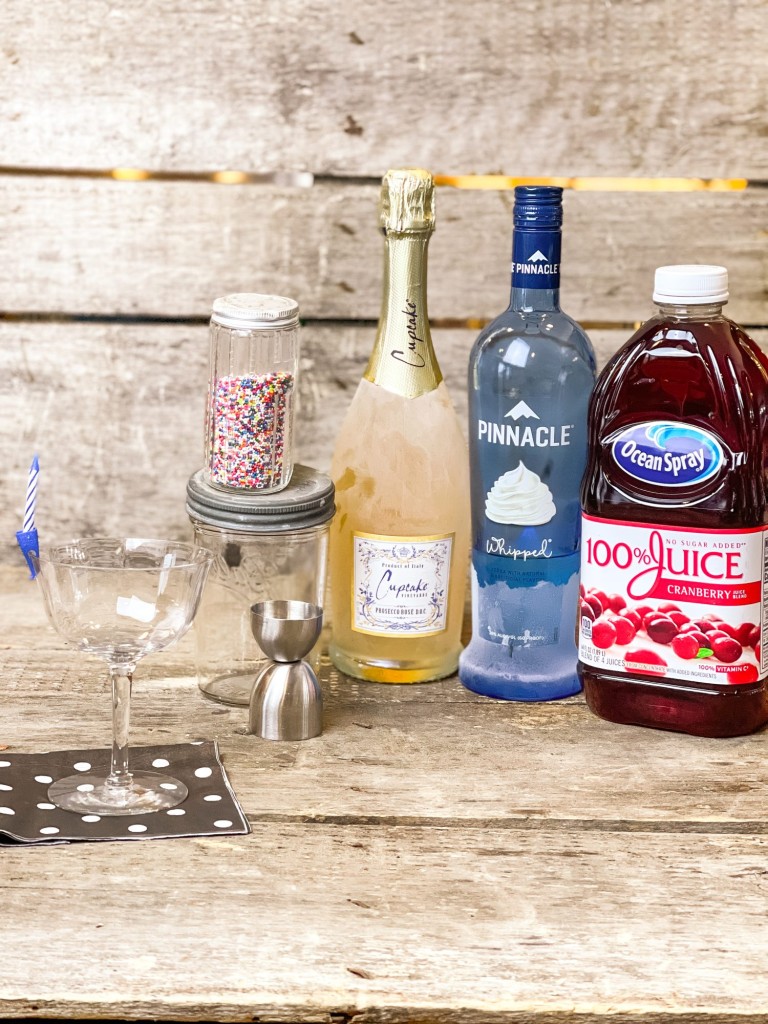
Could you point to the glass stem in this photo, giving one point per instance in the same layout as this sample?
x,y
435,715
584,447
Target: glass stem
x,y
119,777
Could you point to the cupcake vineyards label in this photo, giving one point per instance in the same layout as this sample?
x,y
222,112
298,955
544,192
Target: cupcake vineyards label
x,y
400,584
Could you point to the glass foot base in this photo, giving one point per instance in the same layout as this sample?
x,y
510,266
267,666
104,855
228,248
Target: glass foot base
x,y
89,794
235,690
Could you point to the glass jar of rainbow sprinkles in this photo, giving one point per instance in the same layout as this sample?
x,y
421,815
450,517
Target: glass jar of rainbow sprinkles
x,y
254,360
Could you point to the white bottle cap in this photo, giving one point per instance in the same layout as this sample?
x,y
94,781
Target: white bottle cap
x,y
690,284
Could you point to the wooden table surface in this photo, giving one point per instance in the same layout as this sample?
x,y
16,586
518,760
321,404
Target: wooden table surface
x,y
433,856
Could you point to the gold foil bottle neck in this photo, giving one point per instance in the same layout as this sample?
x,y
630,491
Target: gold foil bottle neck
x,y
407,201
403,359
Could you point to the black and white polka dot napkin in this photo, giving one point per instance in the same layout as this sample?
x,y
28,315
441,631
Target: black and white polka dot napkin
x,y
28,816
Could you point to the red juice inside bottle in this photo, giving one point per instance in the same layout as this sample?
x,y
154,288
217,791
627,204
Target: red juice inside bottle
x,y
674,563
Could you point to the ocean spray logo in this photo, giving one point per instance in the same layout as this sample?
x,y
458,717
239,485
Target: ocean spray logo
x,y
520,435
668,454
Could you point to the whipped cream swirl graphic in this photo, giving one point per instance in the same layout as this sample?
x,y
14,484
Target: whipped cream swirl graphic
x,y
520,498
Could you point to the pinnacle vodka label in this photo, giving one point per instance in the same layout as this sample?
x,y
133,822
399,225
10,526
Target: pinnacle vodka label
x,y
525,450
536,259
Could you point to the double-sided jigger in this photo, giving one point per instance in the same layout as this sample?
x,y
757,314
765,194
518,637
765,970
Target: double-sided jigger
x,y
286,702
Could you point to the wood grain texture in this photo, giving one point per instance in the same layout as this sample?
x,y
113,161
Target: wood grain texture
x,y
429,754
423,860
169,248
527,88
299,923
426,755
115,414
433,857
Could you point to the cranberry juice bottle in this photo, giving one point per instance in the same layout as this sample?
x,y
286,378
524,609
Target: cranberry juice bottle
x,y
674,554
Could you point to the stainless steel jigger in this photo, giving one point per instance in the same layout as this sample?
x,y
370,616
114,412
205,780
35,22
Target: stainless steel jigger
x,y
286,701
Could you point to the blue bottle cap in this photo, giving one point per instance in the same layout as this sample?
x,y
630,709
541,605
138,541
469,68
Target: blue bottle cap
x,y
538,206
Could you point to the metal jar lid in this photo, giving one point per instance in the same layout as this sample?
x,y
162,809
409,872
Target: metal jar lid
x,y
247,311
307,501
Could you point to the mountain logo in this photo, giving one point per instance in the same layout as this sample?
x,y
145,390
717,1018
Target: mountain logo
x,y
538,257
521,409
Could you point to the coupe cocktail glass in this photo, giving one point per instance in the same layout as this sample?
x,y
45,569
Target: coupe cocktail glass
x,y
121,599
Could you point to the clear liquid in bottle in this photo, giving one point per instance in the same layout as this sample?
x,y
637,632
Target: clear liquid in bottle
x,y
531,373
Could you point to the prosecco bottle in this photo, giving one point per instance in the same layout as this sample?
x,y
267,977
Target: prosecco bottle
x,y
400,538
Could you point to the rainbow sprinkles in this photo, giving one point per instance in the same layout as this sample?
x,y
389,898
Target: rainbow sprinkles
x,y
249,428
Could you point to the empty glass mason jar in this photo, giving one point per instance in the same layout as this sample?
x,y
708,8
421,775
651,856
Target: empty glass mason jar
x,y
254,360
266,547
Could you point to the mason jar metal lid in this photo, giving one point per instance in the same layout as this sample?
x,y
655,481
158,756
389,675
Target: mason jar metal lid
x,y
307,501
246,311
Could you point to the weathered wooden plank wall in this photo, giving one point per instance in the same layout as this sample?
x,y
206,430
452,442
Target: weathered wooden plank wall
x,y
524,86
105,284
117,412
166,249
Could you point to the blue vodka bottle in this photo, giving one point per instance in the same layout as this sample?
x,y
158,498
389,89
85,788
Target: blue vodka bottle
x,y
531,374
